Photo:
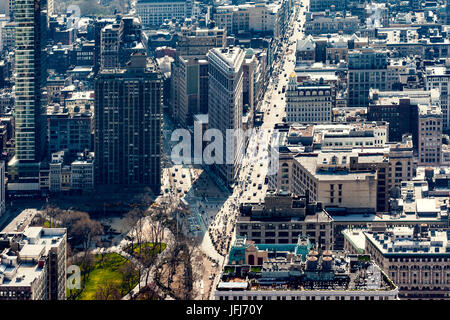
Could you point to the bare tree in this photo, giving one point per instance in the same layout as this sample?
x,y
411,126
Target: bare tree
x,y
52,211
129,273
108,291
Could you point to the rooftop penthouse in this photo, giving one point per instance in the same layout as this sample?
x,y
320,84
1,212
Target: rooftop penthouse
x,y
298,272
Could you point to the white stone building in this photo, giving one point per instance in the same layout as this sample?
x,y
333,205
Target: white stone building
x,y
308,102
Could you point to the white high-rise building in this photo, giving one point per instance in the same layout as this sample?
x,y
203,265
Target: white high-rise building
x,y
225,107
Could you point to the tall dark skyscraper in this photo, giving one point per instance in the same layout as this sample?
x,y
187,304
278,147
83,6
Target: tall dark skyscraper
x,y
29,131
128,116
29,70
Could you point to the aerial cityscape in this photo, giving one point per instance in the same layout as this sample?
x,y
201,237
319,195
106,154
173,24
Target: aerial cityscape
x,y
225,150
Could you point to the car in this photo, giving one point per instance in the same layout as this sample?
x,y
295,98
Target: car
x,y
259,186
261,164
254,194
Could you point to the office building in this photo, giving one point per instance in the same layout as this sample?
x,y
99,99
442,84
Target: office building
x,y
295,139
402,163
415,258
118,41
322,5
322,23
309,101
128,115
439,78
33,264
189,89
342,179
263,18
225,108
367,68
430,135
400,109
153,13
282,218
192,84
69,129
196,42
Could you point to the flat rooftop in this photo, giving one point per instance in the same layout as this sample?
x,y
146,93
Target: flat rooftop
x,y
403,241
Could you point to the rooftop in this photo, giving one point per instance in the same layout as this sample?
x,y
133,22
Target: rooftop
x,y
23,266
300,268
410,241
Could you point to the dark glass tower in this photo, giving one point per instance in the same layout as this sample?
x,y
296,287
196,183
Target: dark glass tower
x,y
128,116
30,134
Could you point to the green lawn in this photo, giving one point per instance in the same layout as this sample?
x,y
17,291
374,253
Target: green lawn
x,y
103,272
146,246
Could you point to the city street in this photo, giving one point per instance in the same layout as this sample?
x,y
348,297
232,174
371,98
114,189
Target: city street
x,y
256,160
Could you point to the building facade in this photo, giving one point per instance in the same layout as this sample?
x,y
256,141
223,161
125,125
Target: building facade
x,y
33,264
128,115
308,102
225,108
153,13
367,68
282,218
430,135
415,258
439,78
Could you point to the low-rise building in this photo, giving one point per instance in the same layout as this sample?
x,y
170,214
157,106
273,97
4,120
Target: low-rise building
x,y
320,23
153,13
415,258
298,272
282,218
33,264
335,179
309,101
